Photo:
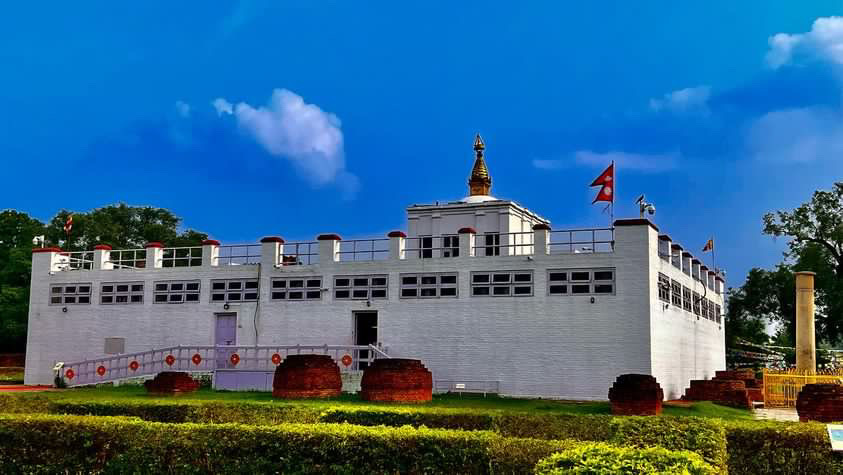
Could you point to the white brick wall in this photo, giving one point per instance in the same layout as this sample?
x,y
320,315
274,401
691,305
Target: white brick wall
x,y
550,346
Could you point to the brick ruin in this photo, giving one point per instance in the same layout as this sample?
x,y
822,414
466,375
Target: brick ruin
x,y
171,383
636,395
397,380
737,388
820,402
307,376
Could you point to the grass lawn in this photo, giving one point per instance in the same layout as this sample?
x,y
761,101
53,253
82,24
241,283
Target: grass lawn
x,y
11,375
475,402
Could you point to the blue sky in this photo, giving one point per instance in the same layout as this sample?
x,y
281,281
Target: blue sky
x,y
294,118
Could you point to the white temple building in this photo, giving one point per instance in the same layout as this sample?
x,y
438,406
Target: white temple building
x,y
482,290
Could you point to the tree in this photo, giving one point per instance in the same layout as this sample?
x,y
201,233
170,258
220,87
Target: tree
x,y
121,226
815,230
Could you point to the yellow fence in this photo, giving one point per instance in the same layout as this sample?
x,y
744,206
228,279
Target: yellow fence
x,y
781,387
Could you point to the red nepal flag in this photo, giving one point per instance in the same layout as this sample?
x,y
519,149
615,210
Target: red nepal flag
x,y
606,180
68,225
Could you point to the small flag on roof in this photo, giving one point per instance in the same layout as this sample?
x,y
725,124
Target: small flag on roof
x,y
709,246
606,181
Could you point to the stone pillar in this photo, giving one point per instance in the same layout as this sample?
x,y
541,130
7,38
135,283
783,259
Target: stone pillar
x,y
397,244
329,248
154,253
806,346
272,248
102,255
45,259
210,253
541,240
467,240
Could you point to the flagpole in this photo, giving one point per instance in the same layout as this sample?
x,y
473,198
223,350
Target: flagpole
x,y
713,260
614,193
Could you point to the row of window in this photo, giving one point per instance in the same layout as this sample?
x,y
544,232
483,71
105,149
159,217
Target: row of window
x,y
673,292
357,287
451,245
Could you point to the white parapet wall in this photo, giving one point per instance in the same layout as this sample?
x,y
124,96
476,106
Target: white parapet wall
x,y
541,344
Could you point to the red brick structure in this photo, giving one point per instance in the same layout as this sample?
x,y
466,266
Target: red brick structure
x,y
397,380
724,392
172,383
636,395
820,402
307,376
754,387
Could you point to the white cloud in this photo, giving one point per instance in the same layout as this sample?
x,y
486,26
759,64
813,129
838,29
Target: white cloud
x,y
825,40
183,109
222,106
302,133
646,163
691,99
796,135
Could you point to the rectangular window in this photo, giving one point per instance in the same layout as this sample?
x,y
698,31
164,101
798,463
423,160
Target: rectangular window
x,y
361,287
686,299
450,246
428,285
234,290
176,291
112,293
425,247
664,288
717,316
296,288
704,308
697,305
70,294
580,281
676,293
502,284
493,244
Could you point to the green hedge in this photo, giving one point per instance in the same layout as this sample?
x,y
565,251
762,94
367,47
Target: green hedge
x,y
752,446
60,444
703,436
780,447
602,459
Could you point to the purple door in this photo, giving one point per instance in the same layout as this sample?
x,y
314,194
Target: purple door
x,y
226,335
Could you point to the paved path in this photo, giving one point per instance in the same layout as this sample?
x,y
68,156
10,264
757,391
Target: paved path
x,y
778,414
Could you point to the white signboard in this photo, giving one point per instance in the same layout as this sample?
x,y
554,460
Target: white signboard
x,y
835,435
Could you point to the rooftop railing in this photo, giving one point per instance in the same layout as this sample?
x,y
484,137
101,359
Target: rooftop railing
x,y
181,256
363,250
300,254
330,248
578,241
239,255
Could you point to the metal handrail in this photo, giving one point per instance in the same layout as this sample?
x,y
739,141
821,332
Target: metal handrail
x,y
597,245
210,358
297,258
190,259
355,252
247,255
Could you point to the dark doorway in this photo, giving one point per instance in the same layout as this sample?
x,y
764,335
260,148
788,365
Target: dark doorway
x,y
365,333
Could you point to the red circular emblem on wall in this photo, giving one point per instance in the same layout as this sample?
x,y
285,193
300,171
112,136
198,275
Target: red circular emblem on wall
x,y
196,359
170,359
346,360
69,374
235,358
276,359
134,366
101,370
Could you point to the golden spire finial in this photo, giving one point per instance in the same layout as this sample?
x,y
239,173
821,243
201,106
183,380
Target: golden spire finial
x,y
480,181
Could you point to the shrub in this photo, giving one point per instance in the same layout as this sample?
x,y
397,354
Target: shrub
x,y
780,447
48,443
703,436
599,458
